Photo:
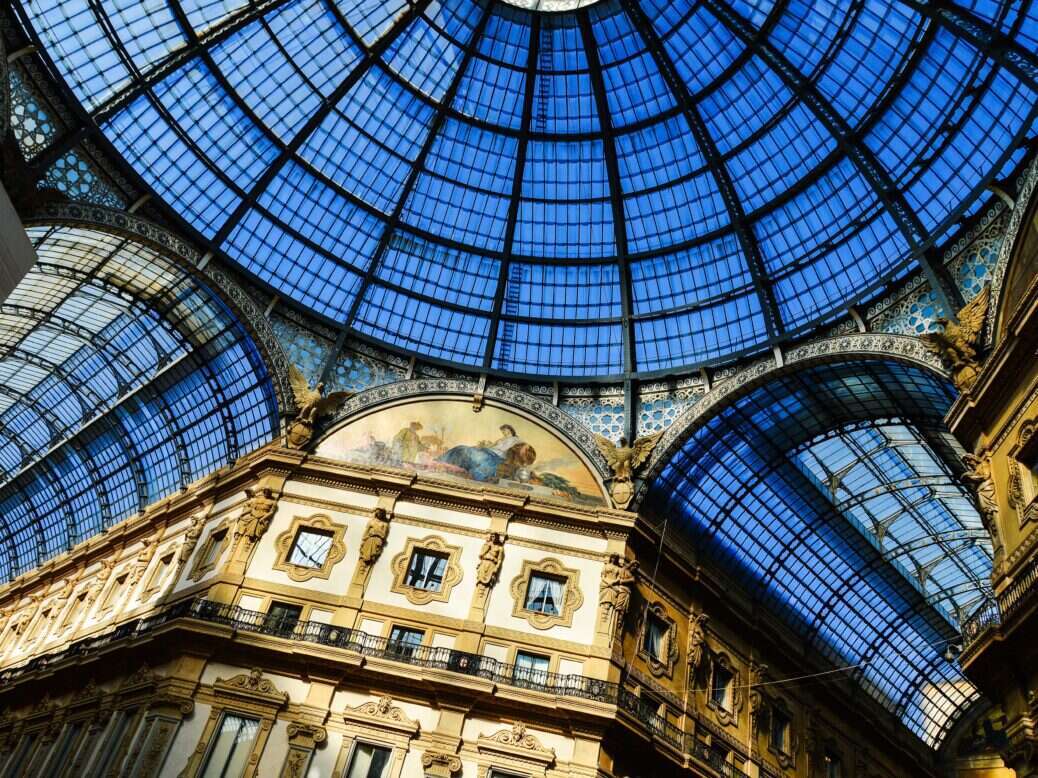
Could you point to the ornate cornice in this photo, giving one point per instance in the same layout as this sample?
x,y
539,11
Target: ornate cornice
x,y
383,714
518,742
225,287
869,345
1016,220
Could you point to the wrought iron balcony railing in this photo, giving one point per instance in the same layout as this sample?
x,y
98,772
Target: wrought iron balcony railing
x,y
997,611
371,646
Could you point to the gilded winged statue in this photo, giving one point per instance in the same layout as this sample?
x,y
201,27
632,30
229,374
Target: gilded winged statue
x,y
312,404
624,461
956,343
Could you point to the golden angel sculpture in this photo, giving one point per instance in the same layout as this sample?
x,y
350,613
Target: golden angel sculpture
x,y
312,404
624,461
956,343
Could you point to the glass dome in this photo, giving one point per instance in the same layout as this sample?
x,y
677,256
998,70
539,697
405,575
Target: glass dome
x,y
613,188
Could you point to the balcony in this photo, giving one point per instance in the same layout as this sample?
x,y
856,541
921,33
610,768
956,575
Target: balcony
x,y
371,646
996,612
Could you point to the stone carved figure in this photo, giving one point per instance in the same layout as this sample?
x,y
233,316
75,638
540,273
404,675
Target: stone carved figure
x,y
978,477
696,640
256,515
194,532
956,343
614,598
375,535
624,461
100,579
143,559
490,557
756,678
311,404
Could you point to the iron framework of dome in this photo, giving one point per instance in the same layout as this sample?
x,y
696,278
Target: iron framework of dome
x,y
629,187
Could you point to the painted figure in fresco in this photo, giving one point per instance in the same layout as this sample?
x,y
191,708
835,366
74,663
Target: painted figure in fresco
x,y
407,444
489,462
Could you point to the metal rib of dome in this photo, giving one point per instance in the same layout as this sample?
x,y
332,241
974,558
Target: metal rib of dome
x,y
633,186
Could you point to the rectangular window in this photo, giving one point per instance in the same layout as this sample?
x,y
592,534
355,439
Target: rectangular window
x,y
426,569
369,761
282,617
530,669
780,731
544,594
403,640
231,747
655,636
502,774
69,736
721,687
159,573
21,755
310,548
112,748
212,548
833,766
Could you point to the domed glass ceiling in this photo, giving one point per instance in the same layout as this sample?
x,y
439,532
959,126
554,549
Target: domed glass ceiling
x,y
626,186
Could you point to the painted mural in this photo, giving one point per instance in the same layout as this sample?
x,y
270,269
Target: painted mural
x,y
448,438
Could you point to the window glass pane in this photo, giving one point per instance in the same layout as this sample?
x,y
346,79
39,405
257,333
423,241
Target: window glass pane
x,y
230,751
530,667
283,616
720,686
311,548
404,640
779,730
369,761
655,632
544,594
426,570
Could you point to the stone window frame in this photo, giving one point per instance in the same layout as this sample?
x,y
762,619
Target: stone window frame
x,y
1023,482
659,667
247,694
572,597
200,568
728,716
165,562
285,542
786,759
452,574
118,581
513,751
378,723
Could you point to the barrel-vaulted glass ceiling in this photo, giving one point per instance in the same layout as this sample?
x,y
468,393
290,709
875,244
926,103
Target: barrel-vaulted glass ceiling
x,y
845,523
630,186
122,379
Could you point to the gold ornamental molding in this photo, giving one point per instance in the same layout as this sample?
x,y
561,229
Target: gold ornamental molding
x,y
452,574
286,541
382,714
572,597
518,745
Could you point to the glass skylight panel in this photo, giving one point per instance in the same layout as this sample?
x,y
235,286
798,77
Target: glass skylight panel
x,y
702,49
808,29
553,350
273,88
86,57
689,277
315,41
492,93
744,104
779,158
564,292
148,30
205,14
416,325
942,120
439,272
371,18
425,58
874,48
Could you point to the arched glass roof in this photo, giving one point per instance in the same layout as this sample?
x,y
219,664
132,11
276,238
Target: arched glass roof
x,y
830,512
122,379
632,186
